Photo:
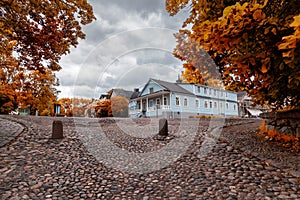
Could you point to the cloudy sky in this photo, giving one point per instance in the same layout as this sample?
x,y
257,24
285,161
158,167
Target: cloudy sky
x,y
130,42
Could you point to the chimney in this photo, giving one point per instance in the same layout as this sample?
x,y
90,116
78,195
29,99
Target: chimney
x,y
136,90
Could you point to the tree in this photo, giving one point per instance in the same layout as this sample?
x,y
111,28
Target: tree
x,y
119,106
33,37
42,31
103,108
255,43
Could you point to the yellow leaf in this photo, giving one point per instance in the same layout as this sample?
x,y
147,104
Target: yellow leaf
x,y
296,21
227,11
288,54
267,30
290,42
264,68
274,31
206,36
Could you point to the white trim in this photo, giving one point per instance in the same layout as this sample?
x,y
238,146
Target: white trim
x,y
176,100
150,90
156,101
185,102
165,103
215,104
206,104
197,103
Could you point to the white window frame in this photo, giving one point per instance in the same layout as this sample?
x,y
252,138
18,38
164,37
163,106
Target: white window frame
x,y
215,104
197,104
150,103
158,99
185,101
205,104
165,101
210,104
177,103
151,90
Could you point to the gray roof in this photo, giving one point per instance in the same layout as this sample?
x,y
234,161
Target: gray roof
x,y
135,94
172,87
123,93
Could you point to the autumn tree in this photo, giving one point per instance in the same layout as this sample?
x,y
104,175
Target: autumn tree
x,y
66,106
33,36
254,43
119,106
103,108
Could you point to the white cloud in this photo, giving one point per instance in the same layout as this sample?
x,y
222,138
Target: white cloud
x,y
129,43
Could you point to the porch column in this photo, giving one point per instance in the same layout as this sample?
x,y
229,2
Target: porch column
x,y
146,104
170,102
163,103
141,105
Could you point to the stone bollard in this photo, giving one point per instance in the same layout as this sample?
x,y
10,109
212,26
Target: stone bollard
x,y
57,130
163,127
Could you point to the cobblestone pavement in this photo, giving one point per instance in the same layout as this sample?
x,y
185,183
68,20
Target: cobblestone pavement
x,y
36,167
9,130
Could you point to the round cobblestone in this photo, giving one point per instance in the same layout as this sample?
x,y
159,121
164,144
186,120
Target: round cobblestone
x,y
35,167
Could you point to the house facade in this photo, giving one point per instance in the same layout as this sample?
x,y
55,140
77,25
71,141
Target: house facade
x,y
178,100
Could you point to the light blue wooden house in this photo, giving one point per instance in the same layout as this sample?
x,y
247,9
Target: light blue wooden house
x,y
178,100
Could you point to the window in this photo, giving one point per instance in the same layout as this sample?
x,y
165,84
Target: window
x,y
234,107
215,105
150,103
185,102
197,103
221,105
226,94
151,90
165,100
157,101
210,91
177,101
227,106
215,92
199,89
205,90
222,94
205,104
210,104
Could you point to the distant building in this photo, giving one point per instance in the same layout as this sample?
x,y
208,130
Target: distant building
x,y
175,100
117,92
247,107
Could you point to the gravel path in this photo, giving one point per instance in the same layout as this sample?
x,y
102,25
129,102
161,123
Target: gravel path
x,y
82,166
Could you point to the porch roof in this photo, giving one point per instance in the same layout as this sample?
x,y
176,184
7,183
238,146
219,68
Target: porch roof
x,y
156,94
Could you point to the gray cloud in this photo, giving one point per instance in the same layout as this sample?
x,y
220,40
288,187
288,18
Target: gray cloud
x,y
130,42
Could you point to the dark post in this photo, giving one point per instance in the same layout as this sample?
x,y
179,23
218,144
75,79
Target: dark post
x,y
57,130
163,127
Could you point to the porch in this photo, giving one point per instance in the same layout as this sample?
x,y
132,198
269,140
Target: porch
x,y
151,105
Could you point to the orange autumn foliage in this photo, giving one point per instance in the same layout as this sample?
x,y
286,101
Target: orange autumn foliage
x,y
274,135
